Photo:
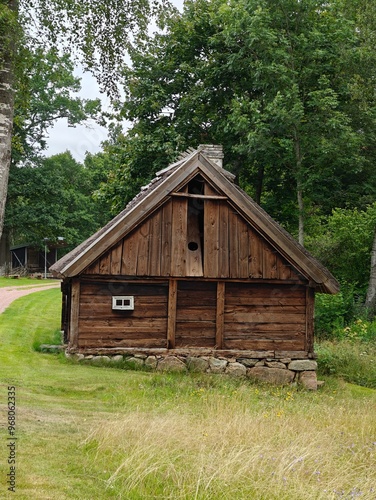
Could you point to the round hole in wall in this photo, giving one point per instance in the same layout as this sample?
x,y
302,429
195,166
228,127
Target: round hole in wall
x,y
192,245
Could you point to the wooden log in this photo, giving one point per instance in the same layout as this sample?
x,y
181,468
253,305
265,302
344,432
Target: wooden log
x,y
220,316
265,344
171,322
200,196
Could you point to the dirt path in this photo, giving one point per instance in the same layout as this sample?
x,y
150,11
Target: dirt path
x,y
11,293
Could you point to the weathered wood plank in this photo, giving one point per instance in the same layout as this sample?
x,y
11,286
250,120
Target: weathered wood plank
x,y
224,250
105,311
266,290
75,313
253,300
285,345
200,313
131,343
264,309
220,316
116,255
171,323
155,244
108,288
194,342
105,263
211,239
94,268
243,249
200,196
256,254
194,265
233,244
262,317
310,306
232,328
139,329
269,262
166,238
254,334
143,236
179,237
130,251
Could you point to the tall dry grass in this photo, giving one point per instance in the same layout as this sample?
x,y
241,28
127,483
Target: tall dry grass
x,y
233,449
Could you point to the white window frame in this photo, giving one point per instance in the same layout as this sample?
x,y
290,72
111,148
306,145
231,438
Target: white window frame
x,y
127,302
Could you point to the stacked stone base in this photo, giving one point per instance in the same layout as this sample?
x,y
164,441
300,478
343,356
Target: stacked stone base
x,y
281,371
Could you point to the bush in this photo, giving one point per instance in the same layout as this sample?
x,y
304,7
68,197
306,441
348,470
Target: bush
x,y
334,313
353,361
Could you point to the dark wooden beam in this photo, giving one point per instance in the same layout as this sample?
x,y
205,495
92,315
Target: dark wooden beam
x,y
171,319
220,316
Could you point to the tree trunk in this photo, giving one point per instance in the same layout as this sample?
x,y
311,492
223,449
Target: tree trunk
x,y
6,109
259,183
299,189
301,214
371,292
6,125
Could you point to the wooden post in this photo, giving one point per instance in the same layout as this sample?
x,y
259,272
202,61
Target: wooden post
x,y
310,305
220,316
75,312
171,321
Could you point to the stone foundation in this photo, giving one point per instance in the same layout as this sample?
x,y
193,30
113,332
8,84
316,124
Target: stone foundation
x,y
279,371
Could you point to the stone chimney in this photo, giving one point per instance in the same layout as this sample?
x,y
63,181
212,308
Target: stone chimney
x,y
214,152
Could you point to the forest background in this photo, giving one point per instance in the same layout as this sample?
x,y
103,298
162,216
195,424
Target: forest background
x,y
287,87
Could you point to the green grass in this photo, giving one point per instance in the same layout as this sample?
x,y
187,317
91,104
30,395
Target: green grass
x,y
89,432
11,282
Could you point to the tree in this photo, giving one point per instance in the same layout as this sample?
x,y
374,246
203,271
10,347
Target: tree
x,y
54,199
99,32
45,87
271,81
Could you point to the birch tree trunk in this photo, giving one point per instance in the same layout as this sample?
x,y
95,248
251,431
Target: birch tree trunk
x,y
371,292
7,40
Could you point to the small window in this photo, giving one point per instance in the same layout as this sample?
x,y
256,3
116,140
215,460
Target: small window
x,y
123,303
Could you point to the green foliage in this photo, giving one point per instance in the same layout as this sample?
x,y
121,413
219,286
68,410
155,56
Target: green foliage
x,y
45,84
353,361
343,243
98,33
279,85
54,199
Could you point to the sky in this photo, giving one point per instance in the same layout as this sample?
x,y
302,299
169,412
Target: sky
x,y
82,138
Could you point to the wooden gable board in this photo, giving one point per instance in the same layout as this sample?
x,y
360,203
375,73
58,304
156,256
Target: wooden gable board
x,y
127,220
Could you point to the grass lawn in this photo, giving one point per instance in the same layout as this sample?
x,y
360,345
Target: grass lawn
x,y
11,282
87,432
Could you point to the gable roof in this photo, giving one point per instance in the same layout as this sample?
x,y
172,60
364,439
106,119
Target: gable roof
x,y
159,191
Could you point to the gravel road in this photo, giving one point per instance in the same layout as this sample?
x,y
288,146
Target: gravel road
x,y
11,293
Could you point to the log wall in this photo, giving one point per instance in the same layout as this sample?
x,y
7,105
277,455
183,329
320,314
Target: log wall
x,y
182,314
145,326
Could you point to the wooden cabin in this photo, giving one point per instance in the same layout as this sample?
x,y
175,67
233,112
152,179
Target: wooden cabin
x,y
193,268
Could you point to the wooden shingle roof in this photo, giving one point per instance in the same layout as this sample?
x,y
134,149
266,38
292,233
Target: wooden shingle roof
x,y
159,191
